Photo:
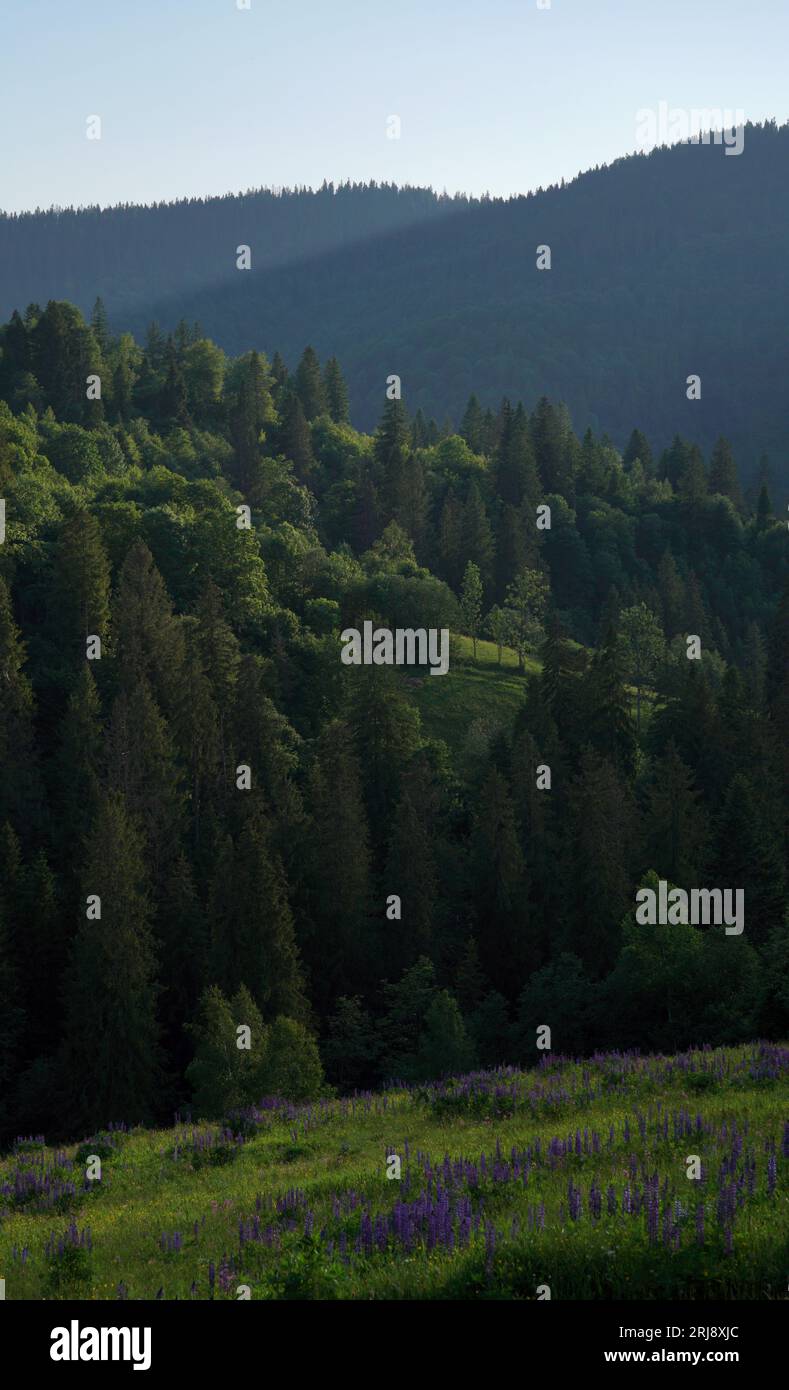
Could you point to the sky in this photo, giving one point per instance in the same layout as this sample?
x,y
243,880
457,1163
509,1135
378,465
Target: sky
x,y
202,97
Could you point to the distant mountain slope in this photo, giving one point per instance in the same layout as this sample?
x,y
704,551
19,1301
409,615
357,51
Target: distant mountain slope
x,y
663,265
131,255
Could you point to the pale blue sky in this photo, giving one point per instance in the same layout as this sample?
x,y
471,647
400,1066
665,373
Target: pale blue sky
x,y
198,97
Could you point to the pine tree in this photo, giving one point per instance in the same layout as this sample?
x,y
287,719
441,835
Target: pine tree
x,y
99,326
692,485
147,637
672,595
82,584
471,425
252,934
110,1062
195,724
141,765
470,982
764,510
599,851
220,655
550,448
411,874
643,648
723,473
279,373
182,948
676,829
392,438
497,867
608,721
476,543
385,727
309,386
338,865
19,787
751,852
78,770
696,620
40,948
445,1048
265,740
295,441
335,392
12,1023
450,543
516,469
173,402
638,448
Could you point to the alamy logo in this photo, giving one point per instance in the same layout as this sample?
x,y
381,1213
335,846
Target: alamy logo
x,y
102,1344
406,646
671,125
676,906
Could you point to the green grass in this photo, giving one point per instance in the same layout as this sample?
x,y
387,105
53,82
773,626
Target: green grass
x,y
471,691
334,1152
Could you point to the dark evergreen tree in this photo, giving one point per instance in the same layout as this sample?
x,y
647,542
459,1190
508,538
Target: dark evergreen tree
x,y
110,1060
335,392
309,385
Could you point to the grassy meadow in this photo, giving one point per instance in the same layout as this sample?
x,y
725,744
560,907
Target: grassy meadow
x,y
572,1175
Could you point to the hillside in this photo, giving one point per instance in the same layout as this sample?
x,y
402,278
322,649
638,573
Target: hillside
x,y
568,1180
209,820
663,266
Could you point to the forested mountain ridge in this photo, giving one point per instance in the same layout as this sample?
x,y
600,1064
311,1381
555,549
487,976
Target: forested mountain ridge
x,y
133,255
663,266
244,807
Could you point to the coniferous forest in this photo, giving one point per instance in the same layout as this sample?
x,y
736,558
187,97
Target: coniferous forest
x,y
207,819
662,264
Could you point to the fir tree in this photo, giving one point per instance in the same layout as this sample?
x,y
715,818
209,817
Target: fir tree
x,y
110,1059
82,580
335,392
309,386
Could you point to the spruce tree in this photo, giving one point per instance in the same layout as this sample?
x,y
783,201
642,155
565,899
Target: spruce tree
x,y
471,426
295,441
507,949
410,874
82,585
676,831
141,766
450,543
338,866
638,448
252,933
723,473
19,785
309,386
148,641
476,541
550,448
110,1061
335,392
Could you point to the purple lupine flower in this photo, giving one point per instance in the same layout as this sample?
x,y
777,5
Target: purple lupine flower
x,y
772,1174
